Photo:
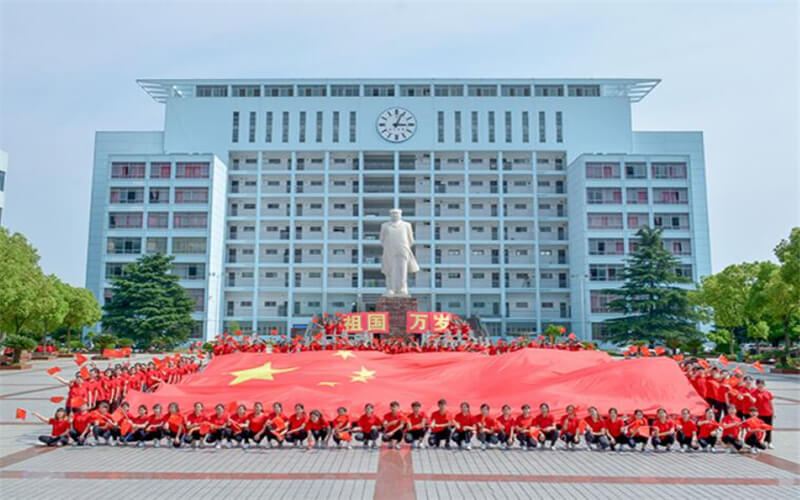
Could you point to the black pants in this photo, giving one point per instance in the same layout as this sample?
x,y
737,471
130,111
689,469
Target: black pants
x,y
239,436
366,437
752,441
320,434
639,439
600,440
105,433
172,436
732,441
665,441
768,421
272,436
76,436
488,437
621,440
257,437
193,435
156,433
526,440
685,440
54,440
707,441
137,435
337,439
297,437
438,437
414,435
568,437
460,437
218,435
551,436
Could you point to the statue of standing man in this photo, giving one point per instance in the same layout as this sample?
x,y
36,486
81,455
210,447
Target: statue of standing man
x,y
397,237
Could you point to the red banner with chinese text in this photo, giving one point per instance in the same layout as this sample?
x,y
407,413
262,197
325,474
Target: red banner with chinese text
x,y
371,322
423,322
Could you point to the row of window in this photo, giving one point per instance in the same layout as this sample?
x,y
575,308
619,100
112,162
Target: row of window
x,y
133,195
637,221
336,126
635,170
637,196
160,170
159,220
508,121
616,246
390,90
156,244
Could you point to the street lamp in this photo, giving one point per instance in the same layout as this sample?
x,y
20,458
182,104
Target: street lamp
x,y
582,278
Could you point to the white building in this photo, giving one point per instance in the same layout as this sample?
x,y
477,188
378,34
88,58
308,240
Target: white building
x,y
524,194
3,170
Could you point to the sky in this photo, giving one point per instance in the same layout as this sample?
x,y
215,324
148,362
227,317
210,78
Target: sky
x,y
728,68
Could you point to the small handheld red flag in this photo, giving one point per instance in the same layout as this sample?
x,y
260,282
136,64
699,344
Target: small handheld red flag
x,y
660,351
85,372
757,366
53,370
232,406
80,359
56,399
703,363
572,336
678,357
722,359
21,414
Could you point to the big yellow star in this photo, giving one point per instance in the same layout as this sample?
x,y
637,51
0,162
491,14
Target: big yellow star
x,y
264,372
344,354
362,375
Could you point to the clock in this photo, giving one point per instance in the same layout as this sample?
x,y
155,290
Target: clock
x,y
396,124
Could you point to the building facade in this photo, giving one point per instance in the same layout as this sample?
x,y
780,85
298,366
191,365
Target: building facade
x,y
525,196
3,171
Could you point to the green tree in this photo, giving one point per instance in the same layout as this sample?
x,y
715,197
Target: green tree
x,y
147,302
82,310
652,305
21,284
53,306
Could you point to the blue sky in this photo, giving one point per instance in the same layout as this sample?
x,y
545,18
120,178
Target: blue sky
x,y
728,68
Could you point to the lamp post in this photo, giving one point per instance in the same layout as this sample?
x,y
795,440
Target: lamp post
x,y
582,278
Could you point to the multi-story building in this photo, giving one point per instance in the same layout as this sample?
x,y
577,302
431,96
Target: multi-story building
x,y
3,170
524,194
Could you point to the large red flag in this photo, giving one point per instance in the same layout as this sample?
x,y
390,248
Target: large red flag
x,y
325,380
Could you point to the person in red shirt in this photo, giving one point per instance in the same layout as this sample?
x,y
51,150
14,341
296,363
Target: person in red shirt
x,y
614,431
731,429
547,426
139,424
155,425
486,428
319,429
464,427
707,431
59,435
81,425
663,431
258,423
394,423
595,435
368,426
340,428
763,403
416,423
687,432
570,428
276,425
523,427
239,424
505,424
297,432
441,423
218,427
638,429
175,425
192,435
754,430
103,425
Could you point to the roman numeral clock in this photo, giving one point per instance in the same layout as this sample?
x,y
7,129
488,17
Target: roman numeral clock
x,y
396,124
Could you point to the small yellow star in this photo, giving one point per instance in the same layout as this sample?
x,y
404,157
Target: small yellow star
x,y
362,375
344,354
264,372
329,384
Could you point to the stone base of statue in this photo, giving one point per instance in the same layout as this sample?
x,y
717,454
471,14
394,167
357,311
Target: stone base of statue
x,y
397,307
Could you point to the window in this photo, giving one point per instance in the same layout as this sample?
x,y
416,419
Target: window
x,y
605,221
335,126
189,220
160,170
548,90
482,90
491,126
156,245
602,170
126,195
124,220
189,245
671,196
159,195
344,91
684,271
186,170
191,195
302,127
454,276
525,127
157,220
603,196
352,126
246,91
415,90
311,90
636,221
515,90
669,170
211,91
448,90
542,136
559,127
285,127
457,125
318,135
235,128
671,221
599,301
251,135
606,247
636,196
440,126
127,170
583,90
189,271
379,90
278,91
474,126
117,246
508,126
635,171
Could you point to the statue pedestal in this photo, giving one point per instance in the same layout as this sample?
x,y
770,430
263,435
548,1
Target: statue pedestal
x,y
397,307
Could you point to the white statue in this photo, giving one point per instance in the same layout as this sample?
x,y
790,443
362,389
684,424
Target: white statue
x,y
397,237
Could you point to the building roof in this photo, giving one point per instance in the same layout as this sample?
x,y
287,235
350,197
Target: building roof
x,y
633,88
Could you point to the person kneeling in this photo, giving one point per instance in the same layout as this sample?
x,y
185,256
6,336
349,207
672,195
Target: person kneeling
x,y
367,428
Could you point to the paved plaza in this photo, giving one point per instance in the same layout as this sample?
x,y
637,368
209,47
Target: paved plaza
x,y
30,471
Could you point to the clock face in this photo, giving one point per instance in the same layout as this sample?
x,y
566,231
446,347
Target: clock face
x,y
396,124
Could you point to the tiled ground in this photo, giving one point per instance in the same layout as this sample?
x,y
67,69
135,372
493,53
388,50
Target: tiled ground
x,y
28,472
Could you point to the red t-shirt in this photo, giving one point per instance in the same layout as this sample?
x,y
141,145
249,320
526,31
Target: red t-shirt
x,y
570,424
763,402
59,426
441,421
728,420
393,423
315,426
523,422
174,421
194,419
464,420
80,421
665,426
614,427
341,422
595,425
416,420
139,420
257,422
296,422
367,422
157,421
543,422
487,424
688,427
238,422
705,429
754,425
506,423
218,420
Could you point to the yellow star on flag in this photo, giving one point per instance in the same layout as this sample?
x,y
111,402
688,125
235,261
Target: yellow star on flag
x,y
344,354
264,372
362,375
329,384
